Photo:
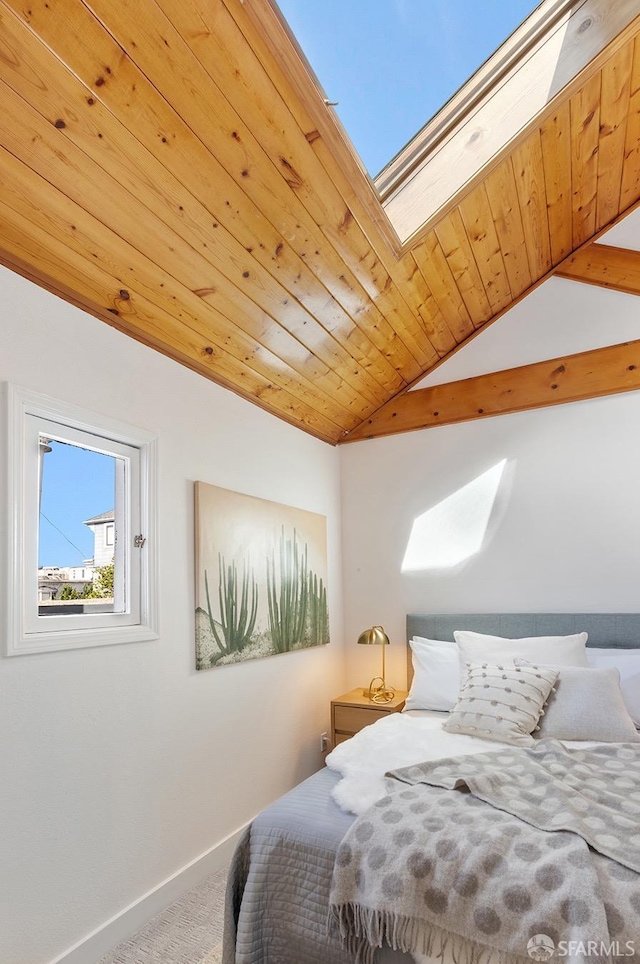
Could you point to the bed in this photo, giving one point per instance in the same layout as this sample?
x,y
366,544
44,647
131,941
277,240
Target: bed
x,y
280,880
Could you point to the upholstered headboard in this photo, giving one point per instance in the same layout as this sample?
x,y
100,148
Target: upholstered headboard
x,y
606,630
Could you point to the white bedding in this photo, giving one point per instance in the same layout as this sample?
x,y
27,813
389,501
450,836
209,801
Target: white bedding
x,y
397,740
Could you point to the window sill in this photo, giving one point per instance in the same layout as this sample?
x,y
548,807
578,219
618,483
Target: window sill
x,y
79,639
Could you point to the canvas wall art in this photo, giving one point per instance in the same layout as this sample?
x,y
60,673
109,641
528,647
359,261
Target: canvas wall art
x,y
261,577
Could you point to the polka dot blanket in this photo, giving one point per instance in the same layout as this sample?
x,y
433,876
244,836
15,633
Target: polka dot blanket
x,y
511,855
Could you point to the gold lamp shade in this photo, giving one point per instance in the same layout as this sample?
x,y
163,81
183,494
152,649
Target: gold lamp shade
x,y
378,691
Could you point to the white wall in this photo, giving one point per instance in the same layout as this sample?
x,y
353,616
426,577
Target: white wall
x,y
565,531
118,765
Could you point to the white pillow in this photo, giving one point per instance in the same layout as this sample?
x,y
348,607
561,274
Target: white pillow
x,y
502,702
436,674
587,704
559,650
627,662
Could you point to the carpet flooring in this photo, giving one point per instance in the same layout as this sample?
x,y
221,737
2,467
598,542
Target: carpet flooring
x,y
187,932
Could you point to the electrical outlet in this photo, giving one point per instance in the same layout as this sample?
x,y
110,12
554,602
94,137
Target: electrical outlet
x,y
324,742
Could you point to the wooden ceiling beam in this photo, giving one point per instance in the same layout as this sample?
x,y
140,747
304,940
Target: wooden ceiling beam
x,y
589,374
605,266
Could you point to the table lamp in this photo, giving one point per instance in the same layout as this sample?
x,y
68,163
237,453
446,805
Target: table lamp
x,y
379,692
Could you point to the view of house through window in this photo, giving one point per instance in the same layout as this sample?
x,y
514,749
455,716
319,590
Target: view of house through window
x,y
77,530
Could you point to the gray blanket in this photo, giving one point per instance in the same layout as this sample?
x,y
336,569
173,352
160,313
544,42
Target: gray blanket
x,y
514,851
278,889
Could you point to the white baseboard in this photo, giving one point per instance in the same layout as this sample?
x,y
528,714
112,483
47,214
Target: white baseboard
x,y
104,938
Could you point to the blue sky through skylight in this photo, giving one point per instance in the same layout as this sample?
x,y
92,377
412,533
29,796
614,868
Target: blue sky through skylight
x,y
392,64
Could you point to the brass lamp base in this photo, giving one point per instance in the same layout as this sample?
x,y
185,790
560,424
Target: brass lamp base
x,y
379,692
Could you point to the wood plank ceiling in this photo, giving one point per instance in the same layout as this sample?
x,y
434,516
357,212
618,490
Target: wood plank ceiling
x,y
171,167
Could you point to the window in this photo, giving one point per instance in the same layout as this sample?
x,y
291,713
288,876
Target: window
x,y
391,72
81,528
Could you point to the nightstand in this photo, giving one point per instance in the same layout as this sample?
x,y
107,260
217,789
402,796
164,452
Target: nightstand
x,y
353,711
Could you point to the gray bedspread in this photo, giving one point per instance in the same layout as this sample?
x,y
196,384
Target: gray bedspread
x,y
278,890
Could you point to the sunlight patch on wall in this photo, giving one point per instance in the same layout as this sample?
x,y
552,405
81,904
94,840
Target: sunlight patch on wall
x,y
454,529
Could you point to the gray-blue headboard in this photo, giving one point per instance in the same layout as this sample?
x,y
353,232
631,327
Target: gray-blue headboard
x,y
606,630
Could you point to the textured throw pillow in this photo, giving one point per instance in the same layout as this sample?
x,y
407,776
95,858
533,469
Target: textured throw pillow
x,y
559,650
627,662
436,674
587,705
501,702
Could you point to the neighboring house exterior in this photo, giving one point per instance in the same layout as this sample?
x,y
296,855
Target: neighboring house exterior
x,y
51,579
103,529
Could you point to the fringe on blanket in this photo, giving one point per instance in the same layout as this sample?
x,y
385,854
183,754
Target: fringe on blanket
x,y
362,930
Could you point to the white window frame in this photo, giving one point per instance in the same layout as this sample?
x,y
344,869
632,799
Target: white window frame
x,y
25,631
127,509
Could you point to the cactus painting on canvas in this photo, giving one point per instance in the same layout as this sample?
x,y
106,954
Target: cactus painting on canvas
x,y
261,571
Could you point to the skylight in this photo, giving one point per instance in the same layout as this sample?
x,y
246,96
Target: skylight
x,y
393,64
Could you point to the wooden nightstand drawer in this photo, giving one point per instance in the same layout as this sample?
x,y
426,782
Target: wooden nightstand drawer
x,y
353,711
350,719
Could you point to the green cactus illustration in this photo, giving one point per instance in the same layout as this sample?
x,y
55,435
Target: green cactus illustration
x,y
318,622
237,619
287,593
